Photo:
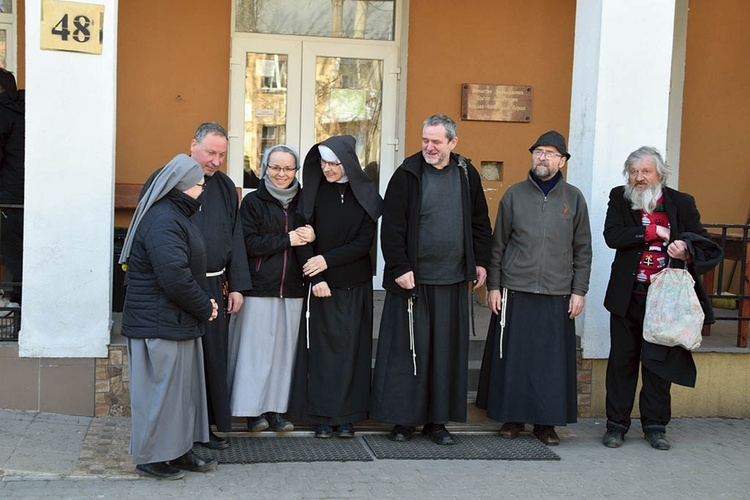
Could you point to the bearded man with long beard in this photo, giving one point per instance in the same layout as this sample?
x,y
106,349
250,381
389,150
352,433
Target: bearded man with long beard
x,y
648,223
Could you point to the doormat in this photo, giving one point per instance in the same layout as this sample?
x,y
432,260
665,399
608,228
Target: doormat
x,y
272,449
467,447
252,450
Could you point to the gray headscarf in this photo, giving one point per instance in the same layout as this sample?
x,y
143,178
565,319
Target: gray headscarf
x,y
182,173
284,196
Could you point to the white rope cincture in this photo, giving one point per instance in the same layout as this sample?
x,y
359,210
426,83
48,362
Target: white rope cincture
x,y
503,308
307,317
410,310
215,274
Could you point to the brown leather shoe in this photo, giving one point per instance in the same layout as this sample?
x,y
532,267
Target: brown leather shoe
x,y
510,430
546,434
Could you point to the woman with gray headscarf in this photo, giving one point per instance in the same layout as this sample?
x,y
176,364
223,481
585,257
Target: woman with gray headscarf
x,y
263,335
166,303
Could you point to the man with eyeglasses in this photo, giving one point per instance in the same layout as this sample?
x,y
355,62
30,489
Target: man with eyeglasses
x,y
228,273
435,239
538,277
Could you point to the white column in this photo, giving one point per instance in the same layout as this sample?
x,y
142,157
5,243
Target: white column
x,y
622,70
70,151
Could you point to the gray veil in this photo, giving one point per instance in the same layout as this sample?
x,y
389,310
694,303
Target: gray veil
x,y
182,173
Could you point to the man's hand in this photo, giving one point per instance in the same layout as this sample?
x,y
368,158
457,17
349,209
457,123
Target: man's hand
x,y
406,281
678,250
321,290
234,302
214,311
481,277
575,305
663,233
494,300
315,265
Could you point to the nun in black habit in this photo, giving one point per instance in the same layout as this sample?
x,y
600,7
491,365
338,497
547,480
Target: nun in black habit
x,y
331,385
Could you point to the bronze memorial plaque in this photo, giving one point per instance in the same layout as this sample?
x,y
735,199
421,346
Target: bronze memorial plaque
x,y
500,103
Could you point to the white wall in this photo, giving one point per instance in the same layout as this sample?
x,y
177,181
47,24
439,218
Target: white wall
x,y
70,151
622,68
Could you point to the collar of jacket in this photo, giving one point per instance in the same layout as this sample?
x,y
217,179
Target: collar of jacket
x,y
558,183
265,195
414,163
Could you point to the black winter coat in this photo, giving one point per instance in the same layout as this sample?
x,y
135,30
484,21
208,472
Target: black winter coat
x,y
167,295
400,228
624,232
275,266
12,141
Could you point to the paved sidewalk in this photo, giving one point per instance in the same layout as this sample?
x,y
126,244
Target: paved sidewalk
x,y
57,456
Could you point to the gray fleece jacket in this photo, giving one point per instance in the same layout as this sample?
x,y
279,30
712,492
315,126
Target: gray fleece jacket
x,y
541,244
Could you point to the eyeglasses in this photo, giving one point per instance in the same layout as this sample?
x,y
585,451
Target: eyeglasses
x,y
203,186
324,164
276,169
547,155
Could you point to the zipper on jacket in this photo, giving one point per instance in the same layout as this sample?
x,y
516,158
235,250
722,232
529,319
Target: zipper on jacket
x,y
544,238
283,266
257,265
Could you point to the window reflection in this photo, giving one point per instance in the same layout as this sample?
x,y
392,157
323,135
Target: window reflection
x,y
349,101
265,109
3,48
366,19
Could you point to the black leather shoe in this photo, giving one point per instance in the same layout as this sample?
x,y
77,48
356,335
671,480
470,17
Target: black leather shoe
x,y
159,470
323,431
401,433
257,424
277,423
657,440
613,438
546,434
215,442
511,430
438,433
193,463
346,431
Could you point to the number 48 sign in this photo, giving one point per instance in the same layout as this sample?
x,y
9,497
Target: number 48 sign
x,y
71,26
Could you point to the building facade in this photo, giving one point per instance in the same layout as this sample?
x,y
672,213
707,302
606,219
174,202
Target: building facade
x,y
611,75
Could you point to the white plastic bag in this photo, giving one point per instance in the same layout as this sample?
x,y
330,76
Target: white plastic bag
x,y
674,316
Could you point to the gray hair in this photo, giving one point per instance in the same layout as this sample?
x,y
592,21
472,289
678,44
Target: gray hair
x,y
445,121
209,128
644,153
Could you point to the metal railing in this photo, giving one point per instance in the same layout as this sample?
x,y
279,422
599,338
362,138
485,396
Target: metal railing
x,y
733,239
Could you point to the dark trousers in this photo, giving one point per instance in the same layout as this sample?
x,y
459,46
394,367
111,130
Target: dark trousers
x,y
215,353
626,337
11,247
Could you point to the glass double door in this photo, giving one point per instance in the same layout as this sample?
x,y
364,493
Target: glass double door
x,y
300,92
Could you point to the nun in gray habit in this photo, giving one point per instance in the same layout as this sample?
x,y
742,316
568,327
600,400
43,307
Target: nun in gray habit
x,y
166,305
332,372
263,334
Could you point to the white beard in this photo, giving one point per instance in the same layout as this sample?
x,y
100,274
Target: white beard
x,y
643,199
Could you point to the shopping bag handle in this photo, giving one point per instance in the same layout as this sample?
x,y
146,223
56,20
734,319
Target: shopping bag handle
x,y
684,263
